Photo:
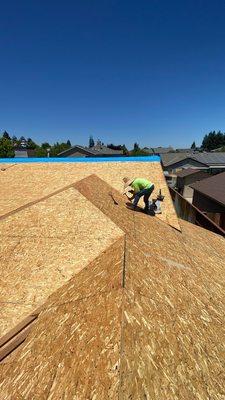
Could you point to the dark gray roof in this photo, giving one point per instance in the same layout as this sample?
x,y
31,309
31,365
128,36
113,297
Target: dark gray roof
x,y
173,158
93,151
185,150
210,158
207,159
212,187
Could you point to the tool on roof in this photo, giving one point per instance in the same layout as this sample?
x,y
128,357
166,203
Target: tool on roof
x,y
155,204
160,197
114,201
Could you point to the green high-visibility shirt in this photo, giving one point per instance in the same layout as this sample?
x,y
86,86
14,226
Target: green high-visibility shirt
x,y
140,184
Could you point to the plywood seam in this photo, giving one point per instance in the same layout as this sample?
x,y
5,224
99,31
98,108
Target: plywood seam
x,y
32,203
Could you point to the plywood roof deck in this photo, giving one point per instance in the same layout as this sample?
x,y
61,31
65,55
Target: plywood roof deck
x,y
43,246
144,320
25,183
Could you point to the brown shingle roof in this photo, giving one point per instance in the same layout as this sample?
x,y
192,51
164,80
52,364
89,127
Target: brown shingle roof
x,y
213,187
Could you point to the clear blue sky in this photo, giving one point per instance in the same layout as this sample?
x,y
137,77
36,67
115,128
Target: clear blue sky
x,y
149,71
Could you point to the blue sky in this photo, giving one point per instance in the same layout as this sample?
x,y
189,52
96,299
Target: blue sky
x,y
148,71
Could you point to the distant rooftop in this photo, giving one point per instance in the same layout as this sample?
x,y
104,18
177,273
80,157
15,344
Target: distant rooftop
x,y
98,150
212,187
206,159
187,172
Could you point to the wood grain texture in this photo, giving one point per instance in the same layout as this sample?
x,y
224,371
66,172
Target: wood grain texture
x,y
77,333
29,182
144,320
43,246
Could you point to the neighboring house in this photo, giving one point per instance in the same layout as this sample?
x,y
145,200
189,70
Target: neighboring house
x,y
209,197
174,162
185,178
95,151
185,150
158,150
24,153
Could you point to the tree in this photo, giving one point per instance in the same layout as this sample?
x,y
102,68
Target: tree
x,y
6,135
68,143
118,147
58,148
193,146
45,145
137,151
213,141
40,152
31,144
91,141
136,146
6,148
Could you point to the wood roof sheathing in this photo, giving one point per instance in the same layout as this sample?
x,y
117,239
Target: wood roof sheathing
x,y
145,320
44,245
29,182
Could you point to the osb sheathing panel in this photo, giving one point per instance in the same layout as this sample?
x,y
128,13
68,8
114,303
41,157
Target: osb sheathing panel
x,y
168,322
73,353
150,231
174,324
28,182
42,246
174,305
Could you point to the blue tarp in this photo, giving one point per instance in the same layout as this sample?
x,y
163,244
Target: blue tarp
x,y
79,159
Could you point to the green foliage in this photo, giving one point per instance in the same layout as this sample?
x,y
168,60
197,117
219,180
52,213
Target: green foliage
x,y
213,141
6,135
6,148
137,151
68,143
118,147
45,145
58,148
222,150
91,141
40,152
193,146
31,144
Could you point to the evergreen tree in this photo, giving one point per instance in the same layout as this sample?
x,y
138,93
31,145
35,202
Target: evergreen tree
x,y
193,146
6,135
136,146
31,144
45,145
91,141
68,143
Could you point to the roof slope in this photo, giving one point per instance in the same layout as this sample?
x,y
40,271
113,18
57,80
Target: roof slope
x,y
91,151
212,187
145,320
26,183
187,172
204,159
210,158
43,246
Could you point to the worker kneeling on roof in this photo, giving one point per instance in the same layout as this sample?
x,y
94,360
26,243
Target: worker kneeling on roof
x,y
136,188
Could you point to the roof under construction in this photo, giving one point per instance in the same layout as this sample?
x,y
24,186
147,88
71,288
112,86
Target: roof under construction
x,y
130,306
